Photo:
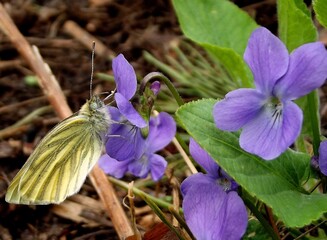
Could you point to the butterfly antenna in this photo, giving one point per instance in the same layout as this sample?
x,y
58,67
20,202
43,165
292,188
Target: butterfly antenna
x,y
92,69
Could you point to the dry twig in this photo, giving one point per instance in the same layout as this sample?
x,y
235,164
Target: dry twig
x,y
86,38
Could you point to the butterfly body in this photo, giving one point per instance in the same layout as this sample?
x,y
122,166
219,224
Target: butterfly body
x,y
60,163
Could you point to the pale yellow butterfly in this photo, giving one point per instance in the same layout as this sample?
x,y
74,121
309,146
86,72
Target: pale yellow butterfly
x,y
59,165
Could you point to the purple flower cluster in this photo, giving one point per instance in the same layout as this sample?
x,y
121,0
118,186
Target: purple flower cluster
x,y
212,207
269,118
127,149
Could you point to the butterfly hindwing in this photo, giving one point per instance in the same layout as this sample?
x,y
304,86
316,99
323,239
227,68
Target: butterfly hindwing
x,y
59,165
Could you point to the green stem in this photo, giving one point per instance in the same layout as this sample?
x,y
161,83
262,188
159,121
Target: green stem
x,y
175,74
261,218
169,84
181,222
106,77
33,115
139,192
313,110
161,215
4,133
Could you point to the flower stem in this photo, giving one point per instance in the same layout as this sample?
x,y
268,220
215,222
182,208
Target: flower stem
x,y
160,214
315,126
139,192
157,75
182,222
259,216
272,220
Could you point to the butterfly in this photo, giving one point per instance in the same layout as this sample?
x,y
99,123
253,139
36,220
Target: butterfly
x,y
60,163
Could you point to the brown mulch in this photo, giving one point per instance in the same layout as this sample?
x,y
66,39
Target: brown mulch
x,y
125,26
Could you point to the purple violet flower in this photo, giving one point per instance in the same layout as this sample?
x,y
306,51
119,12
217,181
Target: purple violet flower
x,y
270,120
323,157
128,151
126,83
212,207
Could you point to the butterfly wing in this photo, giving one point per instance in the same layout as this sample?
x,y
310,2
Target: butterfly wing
x,y
59,165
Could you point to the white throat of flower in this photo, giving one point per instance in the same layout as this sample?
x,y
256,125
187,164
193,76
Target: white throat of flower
x,y
274,107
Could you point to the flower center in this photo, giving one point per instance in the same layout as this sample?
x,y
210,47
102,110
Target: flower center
x,y
275,107
224,183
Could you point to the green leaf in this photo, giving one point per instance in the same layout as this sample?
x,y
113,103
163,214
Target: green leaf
x,y
217,22
295,24
221,25
233,64
255,231
277,183
311,121
303,7
320,7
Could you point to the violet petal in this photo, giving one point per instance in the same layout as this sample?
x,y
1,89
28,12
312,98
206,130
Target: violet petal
x,y
269,135
113,167
198,178
140,167
115,114
126,143
157,165
237,108
236,219
323,157
212,214
268,59
307,71
127,109
125,76
117,119
203,158
120,147
162,129
140,144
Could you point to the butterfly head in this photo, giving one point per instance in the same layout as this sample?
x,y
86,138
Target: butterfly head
x,y
95,103
97,113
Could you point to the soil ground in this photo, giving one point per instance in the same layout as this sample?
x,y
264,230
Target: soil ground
x,y
125,26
